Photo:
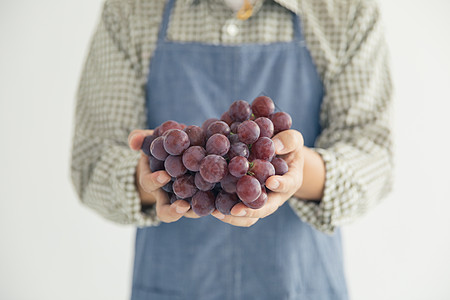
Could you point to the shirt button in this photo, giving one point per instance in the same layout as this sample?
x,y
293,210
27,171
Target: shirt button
x,y
232,29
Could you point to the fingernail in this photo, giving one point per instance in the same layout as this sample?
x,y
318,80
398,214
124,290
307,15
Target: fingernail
x,y
278,145
219,216
181,210
161,178
242,213
274,184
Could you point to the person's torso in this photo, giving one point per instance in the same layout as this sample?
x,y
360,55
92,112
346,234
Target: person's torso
x,y
280,257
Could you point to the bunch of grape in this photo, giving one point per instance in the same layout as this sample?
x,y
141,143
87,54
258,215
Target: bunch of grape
x,y
223,162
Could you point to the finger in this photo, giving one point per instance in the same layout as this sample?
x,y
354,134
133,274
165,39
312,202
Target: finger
x,y
287,141
235,221
273,203
149,181
170,212
136,137
191,214
290,181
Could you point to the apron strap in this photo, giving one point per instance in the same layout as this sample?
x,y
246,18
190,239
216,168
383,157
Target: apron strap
x,y
298,35
165,21
297,24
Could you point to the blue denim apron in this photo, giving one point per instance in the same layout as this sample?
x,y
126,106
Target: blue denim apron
x,y
280,257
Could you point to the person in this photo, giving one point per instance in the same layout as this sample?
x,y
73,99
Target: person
x,y
325,62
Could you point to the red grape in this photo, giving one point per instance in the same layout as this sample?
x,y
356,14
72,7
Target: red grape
x,y
196,135
240,111
155,164
176,141
203,203
280,165
261,170
248,132
168,187
233,138
173,198
208,122
169,125
226,118
213,168
260,201
264,148
218,144
157,149
248,188
281,121
146,144
234,126
238,166
228,183
225,202
184,186
217,127
174,166
265,126
263,106
238,149
201,184
192,157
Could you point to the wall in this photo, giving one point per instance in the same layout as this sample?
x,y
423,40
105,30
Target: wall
x,y
54,248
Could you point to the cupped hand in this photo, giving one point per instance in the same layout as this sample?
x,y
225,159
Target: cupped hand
x,y
288,145
149,185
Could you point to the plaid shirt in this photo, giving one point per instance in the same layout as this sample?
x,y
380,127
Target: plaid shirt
x,y
346,41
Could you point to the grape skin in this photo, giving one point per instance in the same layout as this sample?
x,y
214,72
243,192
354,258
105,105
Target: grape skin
x,y
238,166
196,135
248,188
218,127
155,164
176,141
226,118
265,127
234,127
263,106
168,187
233,138
192,158
157,149
264,148
238,149
213,168
281,121
146,144
248,132
184,186
225,202
218,144
169,125
201,184
280,165
203,203
240,111
174,166
208,122
260,201
261,170
228,183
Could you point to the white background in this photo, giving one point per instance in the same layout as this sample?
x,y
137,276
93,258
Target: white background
x,y
51,247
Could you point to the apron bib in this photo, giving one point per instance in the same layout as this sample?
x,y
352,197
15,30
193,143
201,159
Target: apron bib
x,y
280,257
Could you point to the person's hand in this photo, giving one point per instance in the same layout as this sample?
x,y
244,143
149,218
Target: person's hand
x,y
149,185
289,145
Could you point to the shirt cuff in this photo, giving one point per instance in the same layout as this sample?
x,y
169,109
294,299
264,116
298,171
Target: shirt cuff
x,y
337,205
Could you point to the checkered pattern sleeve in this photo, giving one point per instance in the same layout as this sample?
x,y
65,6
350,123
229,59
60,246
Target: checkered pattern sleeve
x,y
110,104
356,140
